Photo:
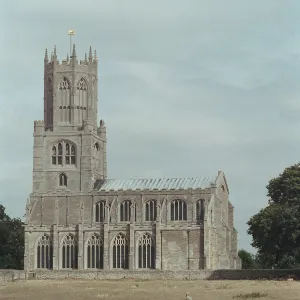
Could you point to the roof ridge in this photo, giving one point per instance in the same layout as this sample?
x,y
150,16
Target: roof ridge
x,y
161,178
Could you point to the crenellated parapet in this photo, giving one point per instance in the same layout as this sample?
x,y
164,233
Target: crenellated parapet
x,y
39,127
90,61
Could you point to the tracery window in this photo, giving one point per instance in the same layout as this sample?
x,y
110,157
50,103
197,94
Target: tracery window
x,y
63,153
100,211
44,252
64,84
82,85
120,252
63,180
150,210
69,252
125,210
200,211
178,210
95,252
146,252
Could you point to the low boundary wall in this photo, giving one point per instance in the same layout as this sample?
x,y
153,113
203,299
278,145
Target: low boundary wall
x,y
10,275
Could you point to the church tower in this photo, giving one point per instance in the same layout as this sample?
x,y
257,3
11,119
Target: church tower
x,y
69,147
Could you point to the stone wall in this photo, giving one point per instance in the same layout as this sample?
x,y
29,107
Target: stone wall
x,y
9,275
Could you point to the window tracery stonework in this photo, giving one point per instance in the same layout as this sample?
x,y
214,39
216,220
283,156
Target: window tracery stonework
x,y
178,210
63,153
44,252
146,252
120,252
94,252
69,252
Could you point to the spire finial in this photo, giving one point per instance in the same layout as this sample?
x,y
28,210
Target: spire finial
x,y
95,55
85,57
54,50
74,52
90,54
46,55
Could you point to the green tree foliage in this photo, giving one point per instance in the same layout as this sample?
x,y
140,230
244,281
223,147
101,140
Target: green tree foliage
x,y
11,241
248,259
275,229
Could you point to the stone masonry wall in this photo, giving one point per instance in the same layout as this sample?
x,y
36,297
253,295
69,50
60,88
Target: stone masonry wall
x,y
10,275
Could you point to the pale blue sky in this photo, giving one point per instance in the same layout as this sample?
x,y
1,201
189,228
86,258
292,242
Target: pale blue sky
x,y
186,88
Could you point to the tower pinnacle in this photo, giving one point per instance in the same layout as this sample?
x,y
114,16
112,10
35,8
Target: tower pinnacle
x,y
74,52
90,54
46,55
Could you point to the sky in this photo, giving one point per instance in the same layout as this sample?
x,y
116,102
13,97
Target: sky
x,y
186,88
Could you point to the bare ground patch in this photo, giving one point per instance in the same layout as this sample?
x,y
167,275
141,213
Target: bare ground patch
x,y
140,290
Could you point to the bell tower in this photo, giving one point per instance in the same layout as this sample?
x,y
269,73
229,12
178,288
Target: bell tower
x,y
69,147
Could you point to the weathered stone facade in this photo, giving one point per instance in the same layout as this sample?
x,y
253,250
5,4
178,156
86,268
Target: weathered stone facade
x,y
76,218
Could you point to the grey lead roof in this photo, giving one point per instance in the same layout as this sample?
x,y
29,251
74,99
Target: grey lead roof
x,y
155,184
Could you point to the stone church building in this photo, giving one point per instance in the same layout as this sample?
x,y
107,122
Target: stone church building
x,y
77,218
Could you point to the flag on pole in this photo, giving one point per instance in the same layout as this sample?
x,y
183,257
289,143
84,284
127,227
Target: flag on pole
x,y
71,32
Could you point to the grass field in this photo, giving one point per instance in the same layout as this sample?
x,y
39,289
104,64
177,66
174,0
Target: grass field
x,y
157,290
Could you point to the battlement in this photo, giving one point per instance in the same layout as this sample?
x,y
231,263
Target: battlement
x,y
89,60
39,126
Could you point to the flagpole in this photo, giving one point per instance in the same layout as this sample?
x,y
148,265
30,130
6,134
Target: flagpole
x,y
70,45
71,32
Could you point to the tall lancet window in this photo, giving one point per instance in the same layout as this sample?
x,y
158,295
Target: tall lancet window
x,y
178,210
150,210
146,252
64,98
125,210
120,252
44,252
69,252
81,100
94,252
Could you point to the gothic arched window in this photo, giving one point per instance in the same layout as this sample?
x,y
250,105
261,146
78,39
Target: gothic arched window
x,y
150,210
95,252
200,211
178,210
125,210
63,153
146,252
64,98
44,252
69,252
64,84
81,85
100,211
63,180
120,252
81,101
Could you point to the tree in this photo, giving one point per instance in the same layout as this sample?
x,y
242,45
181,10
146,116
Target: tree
x,y
11,241
248,259
275,229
